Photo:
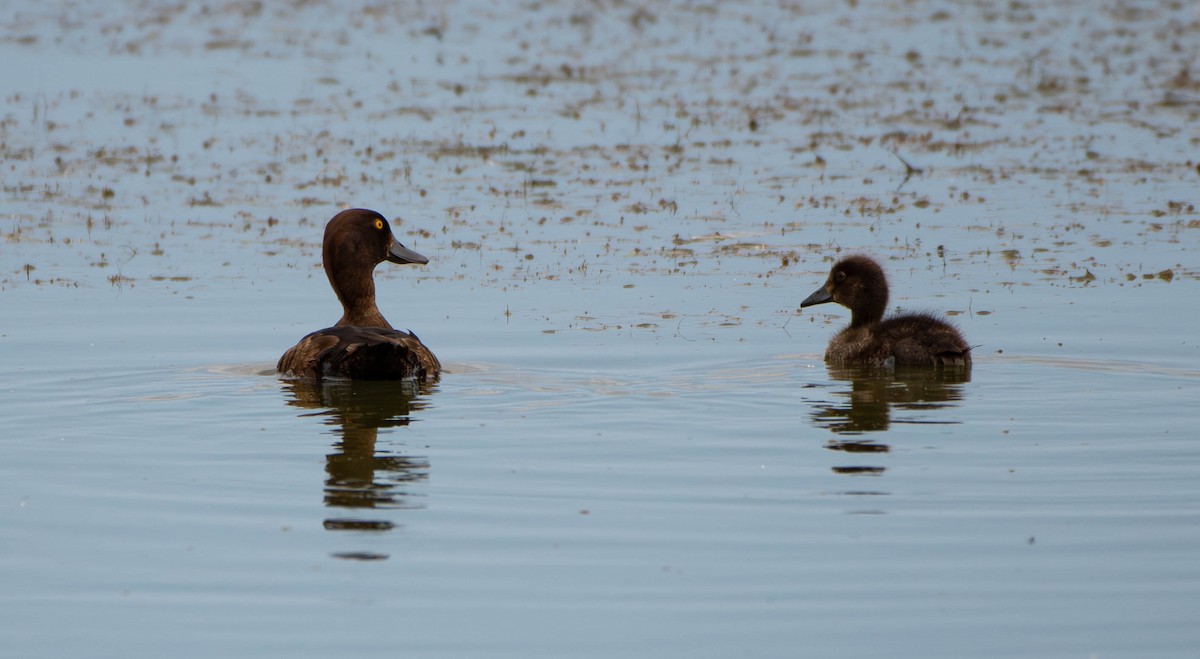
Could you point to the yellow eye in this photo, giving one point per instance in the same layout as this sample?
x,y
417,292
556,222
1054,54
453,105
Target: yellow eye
x,y
379,224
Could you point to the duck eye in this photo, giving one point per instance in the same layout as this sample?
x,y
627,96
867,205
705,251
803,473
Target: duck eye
x,y
379,224
840,276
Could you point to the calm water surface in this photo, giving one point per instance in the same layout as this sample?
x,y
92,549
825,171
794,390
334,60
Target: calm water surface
x,y
637,449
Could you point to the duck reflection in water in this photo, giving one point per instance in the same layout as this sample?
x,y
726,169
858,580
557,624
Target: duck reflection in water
x,y
362,476
880,397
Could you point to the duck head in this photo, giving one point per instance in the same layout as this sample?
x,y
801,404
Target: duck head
x,y
857,283
357,240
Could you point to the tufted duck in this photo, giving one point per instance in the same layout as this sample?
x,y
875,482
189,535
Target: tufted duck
x,y
362,345
858,283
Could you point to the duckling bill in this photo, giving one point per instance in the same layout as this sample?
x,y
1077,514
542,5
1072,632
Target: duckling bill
x,y
362,345
858,283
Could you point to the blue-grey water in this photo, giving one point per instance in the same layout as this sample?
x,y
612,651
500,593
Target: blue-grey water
x,y
637,449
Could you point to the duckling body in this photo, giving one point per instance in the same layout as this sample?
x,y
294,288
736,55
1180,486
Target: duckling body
x,y
362,345
858,283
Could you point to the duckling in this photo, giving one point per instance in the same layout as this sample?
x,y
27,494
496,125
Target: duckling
x,y
362,345
858,283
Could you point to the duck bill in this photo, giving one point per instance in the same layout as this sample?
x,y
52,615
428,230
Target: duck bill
x,y
398,253
819,296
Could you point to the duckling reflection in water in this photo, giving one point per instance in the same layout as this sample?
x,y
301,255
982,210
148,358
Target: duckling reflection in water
x,y
858,283
362,345
877,398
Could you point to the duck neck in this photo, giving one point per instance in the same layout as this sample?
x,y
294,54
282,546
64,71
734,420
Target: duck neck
x,y
363,316
357,295
869,310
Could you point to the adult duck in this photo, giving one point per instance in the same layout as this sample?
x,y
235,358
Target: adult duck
x,y
362,345
858,283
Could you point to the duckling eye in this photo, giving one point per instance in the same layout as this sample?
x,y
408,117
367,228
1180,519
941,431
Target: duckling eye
x,y
840,276
379,224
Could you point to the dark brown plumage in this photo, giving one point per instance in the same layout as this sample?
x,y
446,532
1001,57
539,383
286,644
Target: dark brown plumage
x,y
858,283
362,345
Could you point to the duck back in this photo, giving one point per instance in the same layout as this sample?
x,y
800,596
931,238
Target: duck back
x,y
360,353
908,339
923,338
